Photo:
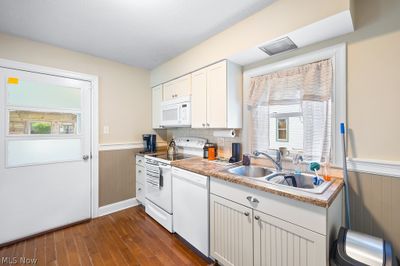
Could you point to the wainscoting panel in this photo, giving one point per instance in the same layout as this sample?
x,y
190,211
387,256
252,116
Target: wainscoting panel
x,y
375,206
117,178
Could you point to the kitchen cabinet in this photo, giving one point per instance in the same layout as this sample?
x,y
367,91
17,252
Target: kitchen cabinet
x,y
277,242
176,88
273,229
217,96
140,179
231,230
157,95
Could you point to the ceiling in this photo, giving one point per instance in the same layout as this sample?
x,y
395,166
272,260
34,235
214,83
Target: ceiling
x,y
142,33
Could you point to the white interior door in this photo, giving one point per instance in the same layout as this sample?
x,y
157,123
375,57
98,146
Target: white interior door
x,y
45,176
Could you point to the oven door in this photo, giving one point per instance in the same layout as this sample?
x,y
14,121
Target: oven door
x,y
159,186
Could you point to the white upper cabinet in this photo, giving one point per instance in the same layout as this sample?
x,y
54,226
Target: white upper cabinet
x,y
176,88
157,97
199,99
217,96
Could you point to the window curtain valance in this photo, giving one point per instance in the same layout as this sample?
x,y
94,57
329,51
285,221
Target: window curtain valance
x,y
309,86
312,82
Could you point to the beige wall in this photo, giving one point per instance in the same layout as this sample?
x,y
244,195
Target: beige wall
x,y
281,17
124,95
373,63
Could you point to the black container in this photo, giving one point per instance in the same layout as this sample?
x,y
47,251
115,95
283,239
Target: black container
x,y
236,153
149,143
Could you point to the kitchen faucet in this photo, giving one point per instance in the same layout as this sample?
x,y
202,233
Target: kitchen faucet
x,y
277,162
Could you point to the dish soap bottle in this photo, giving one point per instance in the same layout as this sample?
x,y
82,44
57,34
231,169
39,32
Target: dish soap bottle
x,y
325,171
297,165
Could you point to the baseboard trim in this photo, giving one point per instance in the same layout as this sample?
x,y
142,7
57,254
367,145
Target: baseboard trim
x,y
376,167
118,206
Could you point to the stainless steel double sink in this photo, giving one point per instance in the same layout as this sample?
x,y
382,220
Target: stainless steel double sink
x,y
303,182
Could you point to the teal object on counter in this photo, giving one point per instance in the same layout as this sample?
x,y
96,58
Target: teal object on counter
x,y
314,166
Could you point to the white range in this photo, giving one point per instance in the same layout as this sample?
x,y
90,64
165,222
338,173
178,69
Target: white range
x,y
160,184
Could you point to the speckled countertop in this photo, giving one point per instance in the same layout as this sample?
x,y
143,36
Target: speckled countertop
x,y
205,167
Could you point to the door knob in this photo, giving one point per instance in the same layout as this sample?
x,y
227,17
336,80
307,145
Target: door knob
x,y
85,157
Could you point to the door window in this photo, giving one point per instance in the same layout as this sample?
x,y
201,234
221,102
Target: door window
x,y
43,121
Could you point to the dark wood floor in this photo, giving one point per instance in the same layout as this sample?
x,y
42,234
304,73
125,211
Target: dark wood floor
x,y
127,237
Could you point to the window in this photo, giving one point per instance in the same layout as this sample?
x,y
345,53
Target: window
x,y
282,129
23,122
67,128
298,103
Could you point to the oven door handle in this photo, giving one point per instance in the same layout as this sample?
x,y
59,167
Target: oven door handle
x,y
168,168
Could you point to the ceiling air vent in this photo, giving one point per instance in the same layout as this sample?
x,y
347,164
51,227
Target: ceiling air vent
x,y
279,46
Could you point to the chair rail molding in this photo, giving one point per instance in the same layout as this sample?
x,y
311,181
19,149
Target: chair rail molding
x,y
376,167
126,145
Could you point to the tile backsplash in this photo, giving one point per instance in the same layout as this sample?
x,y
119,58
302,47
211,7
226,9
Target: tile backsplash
x,y
224,143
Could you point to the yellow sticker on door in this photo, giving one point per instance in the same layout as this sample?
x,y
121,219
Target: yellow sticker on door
x,y
12,80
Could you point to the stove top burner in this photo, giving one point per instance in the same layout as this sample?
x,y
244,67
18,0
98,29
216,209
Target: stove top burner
x,y
165,156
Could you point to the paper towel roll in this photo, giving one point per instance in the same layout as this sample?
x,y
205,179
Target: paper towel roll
x,y
230,133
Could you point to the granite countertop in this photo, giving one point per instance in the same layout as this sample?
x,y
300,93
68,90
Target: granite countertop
x,y
204,167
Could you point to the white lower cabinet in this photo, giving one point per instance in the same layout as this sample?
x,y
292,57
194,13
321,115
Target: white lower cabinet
x,y
251,227
140,179
277,242
231,231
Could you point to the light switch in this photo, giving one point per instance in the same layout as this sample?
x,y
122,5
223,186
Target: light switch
x,y
106,130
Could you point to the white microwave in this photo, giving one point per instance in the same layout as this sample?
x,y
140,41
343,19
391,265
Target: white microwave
x,y
176,113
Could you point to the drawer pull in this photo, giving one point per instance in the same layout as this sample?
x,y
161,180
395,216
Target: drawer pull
x,y
252,199
246,213
257,217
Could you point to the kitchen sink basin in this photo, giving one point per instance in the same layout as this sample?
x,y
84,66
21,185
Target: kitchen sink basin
x,y
251,171
303,182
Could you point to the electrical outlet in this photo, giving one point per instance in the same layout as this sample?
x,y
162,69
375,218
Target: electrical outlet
x,y
106,130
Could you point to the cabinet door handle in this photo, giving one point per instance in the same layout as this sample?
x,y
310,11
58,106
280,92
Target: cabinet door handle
x,y
252,199
204,125
208,124
139,161
139,189
257,217
246,213
139,171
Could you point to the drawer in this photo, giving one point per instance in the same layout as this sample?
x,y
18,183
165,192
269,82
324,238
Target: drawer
x,y
140,193
303,214
140,174
140,160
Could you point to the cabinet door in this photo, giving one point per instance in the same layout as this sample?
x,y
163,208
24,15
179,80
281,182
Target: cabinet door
x,y
277,242
140,195
140,174
231,232
199,99
169,90
156,104
183,86
216,95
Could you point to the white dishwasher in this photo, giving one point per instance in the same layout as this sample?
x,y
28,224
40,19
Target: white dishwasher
x,y
190,200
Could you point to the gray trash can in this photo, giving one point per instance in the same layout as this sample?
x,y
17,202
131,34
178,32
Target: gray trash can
x,y
358,249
